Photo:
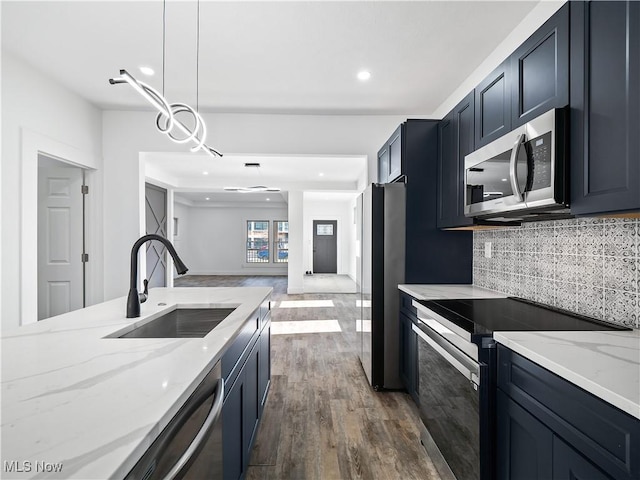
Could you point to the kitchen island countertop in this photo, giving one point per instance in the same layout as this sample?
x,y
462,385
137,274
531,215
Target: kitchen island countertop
x,y
92,404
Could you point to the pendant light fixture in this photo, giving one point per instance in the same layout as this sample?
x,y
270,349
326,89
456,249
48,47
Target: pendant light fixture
x,y
166,120
254,188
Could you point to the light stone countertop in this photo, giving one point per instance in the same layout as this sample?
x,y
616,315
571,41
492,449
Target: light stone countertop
x,y
604,363
95,404
439,292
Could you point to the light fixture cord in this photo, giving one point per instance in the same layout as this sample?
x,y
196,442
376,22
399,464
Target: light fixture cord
x,y
164,39
198,61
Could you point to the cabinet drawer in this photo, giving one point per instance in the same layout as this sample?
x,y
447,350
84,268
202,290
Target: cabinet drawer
x,y
405,305
607,436
265,313
231,363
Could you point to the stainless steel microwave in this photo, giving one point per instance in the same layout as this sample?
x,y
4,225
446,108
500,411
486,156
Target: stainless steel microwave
x,y
521,175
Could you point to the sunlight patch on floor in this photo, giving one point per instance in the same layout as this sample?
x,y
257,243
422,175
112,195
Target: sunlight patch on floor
x,y
363,303
363,325
305,303
305,326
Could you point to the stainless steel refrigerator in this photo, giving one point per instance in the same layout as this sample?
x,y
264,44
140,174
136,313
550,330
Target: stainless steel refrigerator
x,y
380,266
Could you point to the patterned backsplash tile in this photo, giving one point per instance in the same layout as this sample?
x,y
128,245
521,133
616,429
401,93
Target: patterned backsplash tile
x,y
588,265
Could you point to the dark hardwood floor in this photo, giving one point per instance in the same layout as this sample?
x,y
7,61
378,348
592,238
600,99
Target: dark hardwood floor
x,y
322,420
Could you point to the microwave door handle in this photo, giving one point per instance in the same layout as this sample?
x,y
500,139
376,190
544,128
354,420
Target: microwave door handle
x,y
513,167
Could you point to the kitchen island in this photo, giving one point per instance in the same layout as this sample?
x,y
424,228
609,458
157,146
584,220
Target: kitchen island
x,y
78,405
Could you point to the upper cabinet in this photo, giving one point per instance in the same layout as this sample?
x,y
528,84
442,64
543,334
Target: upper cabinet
x,y
390,158
540,70
493,105
605,107
456,140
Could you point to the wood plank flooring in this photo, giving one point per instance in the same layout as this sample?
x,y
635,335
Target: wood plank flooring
x,y
322,420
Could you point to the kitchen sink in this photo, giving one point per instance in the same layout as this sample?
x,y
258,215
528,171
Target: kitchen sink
x,y
180,323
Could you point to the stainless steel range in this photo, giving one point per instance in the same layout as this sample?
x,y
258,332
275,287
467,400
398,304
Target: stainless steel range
x,y
456,374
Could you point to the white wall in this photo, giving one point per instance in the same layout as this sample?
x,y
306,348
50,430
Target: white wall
x,y
340,210
180,241
213,239
126,134
40,115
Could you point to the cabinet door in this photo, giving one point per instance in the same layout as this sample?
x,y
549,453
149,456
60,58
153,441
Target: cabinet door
x,y
540,70
232,451
264,365
570,465
395,155
407,354
524,448
464,142
447,178
250,402
605,107
383,164
493,105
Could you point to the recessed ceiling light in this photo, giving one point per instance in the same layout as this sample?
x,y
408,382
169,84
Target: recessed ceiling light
x,y
205,173
504,179
321,174
147,71
268,199
207,198
364,75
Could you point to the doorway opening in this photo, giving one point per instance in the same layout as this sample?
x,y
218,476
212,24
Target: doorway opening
x,y
61,248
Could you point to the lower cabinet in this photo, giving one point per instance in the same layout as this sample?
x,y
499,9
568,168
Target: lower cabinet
x,y
548,428
244,403
264,365
524,443
408,356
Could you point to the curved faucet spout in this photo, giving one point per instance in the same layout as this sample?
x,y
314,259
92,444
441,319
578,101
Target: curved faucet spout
x,y
133,299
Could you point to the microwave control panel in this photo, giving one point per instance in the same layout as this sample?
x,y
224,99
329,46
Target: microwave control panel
x,y
540,149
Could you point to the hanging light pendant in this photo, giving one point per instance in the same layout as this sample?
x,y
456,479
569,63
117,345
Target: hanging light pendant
x,y
166,121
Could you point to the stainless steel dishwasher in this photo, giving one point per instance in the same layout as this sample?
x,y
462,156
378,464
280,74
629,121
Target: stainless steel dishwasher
x,y
190,446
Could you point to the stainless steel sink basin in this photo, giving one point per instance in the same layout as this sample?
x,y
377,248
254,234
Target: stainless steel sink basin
x,y
181,323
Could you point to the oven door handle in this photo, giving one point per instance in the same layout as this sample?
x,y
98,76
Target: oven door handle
x,y
198,442
513,167
457,359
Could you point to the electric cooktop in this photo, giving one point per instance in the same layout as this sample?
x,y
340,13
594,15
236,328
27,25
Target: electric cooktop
x,y
488,315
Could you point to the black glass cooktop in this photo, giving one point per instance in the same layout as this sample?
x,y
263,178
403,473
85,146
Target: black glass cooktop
x,y
488,315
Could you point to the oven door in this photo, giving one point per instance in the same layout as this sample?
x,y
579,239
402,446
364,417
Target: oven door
x,y
449,388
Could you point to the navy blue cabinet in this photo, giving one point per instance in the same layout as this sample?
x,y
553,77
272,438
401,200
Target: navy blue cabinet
x,y
455,140
248,367
540,70
390,165
570,465
605,107
408,356
523,443
553,429
264,365
493,105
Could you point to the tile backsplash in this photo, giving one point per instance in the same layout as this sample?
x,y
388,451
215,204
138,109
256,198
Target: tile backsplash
x,y
587,265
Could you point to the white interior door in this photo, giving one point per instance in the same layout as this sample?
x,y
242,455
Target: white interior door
x,y
60,239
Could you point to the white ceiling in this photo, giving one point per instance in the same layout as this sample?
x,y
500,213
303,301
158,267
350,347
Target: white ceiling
x,y
296,57
185,172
